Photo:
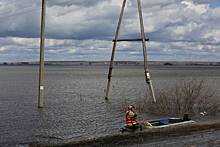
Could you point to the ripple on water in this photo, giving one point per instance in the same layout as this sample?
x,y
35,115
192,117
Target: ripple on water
x,y
75,108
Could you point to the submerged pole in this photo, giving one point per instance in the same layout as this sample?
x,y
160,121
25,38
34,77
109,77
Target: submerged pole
x,y
41,69
113,49
147,74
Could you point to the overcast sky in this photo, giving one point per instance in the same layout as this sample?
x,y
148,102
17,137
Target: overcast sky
x,y
182,30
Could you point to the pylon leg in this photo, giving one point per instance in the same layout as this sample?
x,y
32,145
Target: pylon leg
x,y
113,49
147,74
41,69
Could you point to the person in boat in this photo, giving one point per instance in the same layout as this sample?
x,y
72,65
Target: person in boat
x,y
131,117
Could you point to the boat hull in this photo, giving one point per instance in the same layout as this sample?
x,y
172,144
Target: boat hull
x,y
159,123
167,122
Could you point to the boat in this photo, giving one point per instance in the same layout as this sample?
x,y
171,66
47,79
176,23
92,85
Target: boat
x,y
166,122
158,123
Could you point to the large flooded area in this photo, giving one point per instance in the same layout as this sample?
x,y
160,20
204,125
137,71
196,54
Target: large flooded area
x,y
75,108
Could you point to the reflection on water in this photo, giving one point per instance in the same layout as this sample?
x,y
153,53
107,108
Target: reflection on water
x,y
75,108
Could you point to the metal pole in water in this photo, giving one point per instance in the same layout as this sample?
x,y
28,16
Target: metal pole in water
x,y
41,69
113,49
147,74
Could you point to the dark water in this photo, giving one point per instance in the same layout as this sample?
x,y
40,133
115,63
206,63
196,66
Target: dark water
x,y
75,108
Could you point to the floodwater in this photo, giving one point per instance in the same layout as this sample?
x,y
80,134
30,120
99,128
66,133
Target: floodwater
x,y
75,108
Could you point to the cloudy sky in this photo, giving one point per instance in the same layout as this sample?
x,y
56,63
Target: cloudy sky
x,y
182,30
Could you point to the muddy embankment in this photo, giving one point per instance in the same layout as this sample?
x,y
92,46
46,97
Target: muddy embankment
x,y
140,137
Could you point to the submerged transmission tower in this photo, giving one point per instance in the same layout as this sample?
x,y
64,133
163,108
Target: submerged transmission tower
x,y
143,39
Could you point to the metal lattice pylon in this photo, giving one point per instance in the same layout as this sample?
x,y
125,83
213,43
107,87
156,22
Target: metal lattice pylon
x,y
143,39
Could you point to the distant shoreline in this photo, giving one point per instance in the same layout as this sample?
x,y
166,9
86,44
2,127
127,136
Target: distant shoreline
x,y
106,63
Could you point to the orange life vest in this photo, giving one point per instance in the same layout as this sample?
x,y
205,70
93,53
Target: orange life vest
x,y
131,118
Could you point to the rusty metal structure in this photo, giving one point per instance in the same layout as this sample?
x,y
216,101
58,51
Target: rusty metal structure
x,y
143,39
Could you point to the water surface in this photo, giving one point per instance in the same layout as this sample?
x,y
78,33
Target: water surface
x,y
75,108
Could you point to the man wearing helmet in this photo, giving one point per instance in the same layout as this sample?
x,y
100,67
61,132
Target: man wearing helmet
x,y
131,117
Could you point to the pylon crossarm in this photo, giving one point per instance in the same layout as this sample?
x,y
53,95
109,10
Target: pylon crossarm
x,y
130,40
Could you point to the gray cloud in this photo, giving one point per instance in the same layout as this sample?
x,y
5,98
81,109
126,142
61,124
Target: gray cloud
x,y
84,3
86,27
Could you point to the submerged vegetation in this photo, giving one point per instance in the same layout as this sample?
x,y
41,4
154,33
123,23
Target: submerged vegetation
x,y
191,97
186,97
